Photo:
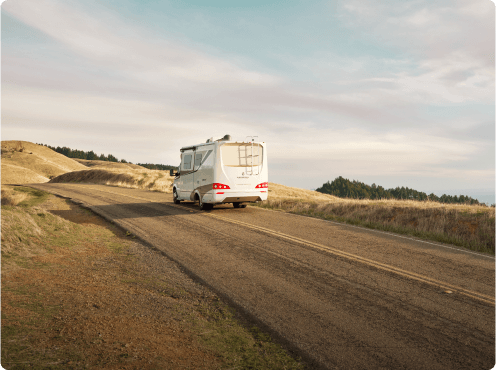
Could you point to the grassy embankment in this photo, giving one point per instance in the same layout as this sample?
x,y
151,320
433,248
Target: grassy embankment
x,y
468,226
78,292
153,180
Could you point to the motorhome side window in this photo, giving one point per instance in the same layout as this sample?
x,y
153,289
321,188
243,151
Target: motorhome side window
x,y
187,162
198,158
242,155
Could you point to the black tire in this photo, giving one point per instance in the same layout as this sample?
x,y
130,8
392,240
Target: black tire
x,y
242,206
174,196
204,206
238,205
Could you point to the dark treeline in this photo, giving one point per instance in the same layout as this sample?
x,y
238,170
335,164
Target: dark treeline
x,y
345,188
92,156
162,167
80,154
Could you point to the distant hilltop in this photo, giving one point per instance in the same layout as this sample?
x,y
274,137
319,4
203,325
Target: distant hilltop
x,y
24,162
344,188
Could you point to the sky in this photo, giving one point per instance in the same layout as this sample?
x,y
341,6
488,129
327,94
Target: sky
x,y
397,93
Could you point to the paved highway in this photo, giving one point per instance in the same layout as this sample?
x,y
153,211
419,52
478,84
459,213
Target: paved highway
x,y
342,297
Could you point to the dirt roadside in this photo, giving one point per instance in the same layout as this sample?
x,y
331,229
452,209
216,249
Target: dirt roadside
x,y
78,292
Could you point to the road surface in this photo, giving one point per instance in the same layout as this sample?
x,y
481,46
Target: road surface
x,y
342,297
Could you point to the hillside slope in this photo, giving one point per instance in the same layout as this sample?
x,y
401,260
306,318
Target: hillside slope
x,y
24,162
153,180
104,165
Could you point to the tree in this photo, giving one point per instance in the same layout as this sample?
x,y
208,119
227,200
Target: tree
x,y
345,188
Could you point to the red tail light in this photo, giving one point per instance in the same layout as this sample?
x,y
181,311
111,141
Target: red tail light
x,y
216,185
262,185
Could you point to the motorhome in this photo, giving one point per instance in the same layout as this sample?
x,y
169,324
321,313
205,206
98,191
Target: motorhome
x,y
222,171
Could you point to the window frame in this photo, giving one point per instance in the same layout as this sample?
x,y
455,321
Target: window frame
x,y
228,161
190,162
198,162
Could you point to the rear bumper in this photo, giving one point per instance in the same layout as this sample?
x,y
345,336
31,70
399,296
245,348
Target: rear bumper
x,y
234,196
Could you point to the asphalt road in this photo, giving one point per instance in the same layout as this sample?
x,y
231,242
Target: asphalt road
x,y
342,297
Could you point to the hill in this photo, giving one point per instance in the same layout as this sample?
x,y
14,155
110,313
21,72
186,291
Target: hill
x,y
24,162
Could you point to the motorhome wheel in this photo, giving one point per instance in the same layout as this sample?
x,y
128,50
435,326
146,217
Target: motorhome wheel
x,y
203,206
175,197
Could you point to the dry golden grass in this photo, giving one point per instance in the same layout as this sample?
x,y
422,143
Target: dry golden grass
x,y
12,198
12,174
105,165
282,192
24,162
277,191
470,226
153,180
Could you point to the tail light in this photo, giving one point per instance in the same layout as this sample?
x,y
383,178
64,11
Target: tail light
x,y
216,185
262,185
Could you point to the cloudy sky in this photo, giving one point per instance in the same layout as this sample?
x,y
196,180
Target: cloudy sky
x,y
400,93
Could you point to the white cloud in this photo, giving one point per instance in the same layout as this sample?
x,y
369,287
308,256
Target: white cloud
x,y
129,50
404,151
451,44
421,18
35,104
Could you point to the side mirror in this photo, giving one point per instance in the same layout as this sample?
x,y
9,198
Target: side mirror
x,y
172,173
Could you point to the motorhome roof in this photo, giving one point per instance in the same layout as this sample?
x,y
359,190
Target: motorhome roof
x,y
193,147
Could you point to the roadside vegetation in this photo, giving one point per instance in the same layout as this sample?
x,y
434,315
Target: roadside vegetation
x,y
469,226
78,292
153,180
11,197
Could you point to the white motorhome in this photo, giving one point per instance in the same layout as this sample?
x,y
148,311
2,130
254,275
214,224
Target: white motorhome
x,y
222,171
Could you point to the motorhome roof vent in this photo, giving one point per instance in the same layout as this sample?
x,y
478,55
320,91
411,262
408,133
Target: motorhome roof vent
x,y
225,138
210,140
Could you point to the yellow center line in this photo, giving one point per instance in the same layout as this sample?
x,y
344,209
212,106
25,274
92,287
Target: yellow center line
x,y
378,265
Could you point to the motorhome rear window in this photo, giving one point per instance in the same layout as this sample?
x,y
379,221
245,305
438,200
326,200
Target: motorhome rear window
x,y
241,155
187,162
